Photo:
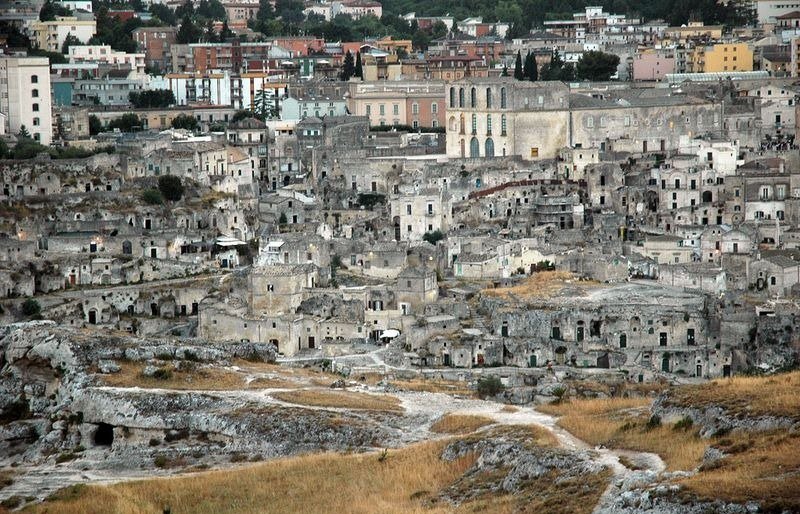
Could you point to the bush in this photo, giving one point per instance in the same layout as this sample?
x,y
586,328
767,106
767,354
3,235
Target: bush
x,y
160,461
170,187
162,374
653,423
433,237
31,307
684,424
152,197
185,121
490,386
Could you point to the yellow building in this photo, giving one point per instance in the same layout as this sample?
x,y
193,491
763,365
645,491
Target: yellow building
x,y
50,35
694,30
719,58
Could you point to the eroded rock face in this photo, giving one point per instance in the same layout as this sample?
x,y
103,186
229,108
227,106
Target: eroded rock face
x,y
507,464
51,406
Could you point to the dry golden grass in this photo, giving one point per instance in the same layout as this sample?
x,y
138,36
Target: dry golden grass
x,y
509,408
341,399
460,423
400,483
748,396
211,379
622,423
543,284
435,386
760,466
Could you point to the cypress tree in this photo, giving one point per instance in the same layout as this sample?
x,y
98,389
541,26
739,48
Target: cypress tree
x,y
518,74
359,68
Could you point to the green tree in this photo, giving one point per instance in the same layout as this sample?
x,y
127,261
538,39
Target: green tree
x,y
265,11
170,187
95,125
359,71
240,115
211,10
23,132
50,10
69,41
531,69
348,67
188,31
438,30
153,98
31,307
567,72
152,197
552,71
186,122
490,386
504,73
420,40
433,237
164,14
226,33
128,122
596,66
263,105
518,73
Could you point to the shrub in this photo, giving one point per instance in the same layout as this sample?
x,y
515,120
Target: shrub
x,y
653,423
154,442
31,307
684,424
433,237
162,374
170,187
152,197
160,461
490,386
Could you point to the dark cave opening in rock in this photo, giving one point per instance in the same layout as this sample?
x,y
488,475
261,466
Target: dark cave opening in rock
x,y
104,435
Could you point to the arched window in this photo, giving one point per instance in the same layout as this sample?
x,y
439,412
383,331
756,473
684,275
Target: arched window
x,y
503,99
488,98
502,124
474,123
474,148
489,125
473,98
462,123
489,147
461,97
452,97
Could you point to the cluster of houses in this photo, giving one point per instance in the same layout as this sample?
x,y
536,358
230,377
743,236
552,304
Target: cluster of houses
x,y
434,205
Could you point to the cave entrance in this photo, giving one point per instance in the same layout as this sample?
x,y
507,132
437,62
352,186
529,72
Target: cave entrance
x,y
104,435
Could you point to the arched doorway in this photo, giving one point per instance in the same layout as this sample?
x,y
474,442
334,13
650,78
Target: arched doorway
x,y
489,147
127,247
474,148
707,196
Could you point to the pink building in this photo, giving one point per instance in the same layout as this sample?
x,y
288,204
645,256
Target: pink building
x,y
653,65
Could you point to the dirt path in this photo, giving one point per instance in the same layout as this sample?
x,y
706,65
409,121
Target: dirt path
x,y
422,409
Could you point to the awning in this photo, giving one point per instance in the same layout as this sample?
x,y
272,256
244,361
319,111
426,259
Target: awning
x,y
390,334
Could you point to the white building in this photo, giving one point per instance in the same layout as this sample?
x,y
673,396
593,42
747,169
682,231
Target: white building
x,y
197,88
76,5
105,54
25,96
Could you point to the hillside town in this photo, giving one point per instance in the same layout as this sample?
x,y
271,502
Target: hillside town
x,y
603,196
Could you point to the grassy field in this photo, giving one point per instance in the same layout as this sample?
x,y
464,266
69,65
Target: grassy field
x,y
267,376
761,466
399,482
746,396
341,399
460,423
406,481
623,423
543,284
